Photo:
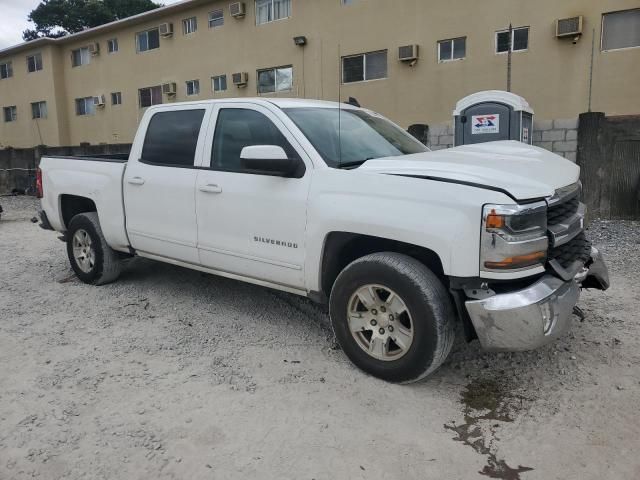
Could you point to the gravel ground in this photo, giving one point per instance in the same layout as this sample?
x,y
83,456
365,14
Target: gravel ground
x,y
169,373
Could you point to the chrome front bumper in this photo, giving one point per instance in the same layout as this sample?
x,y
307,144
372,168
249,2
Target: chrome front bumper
x,y
529,318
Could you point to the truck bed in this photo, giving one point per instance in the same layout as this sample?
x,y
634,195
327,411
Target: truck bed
x,y
98,178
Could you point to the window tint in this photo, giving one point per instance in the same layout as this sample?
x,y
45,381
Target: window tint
x,y
237,128
172,137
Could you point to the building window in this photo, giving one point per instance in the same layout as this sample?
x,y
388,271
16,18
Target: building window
x,y
219,83
6,70
10,113
453,49
621,29
216,18
116,98
34,62
270,10
85,106
148,40
112,45
193,87
520,40
278,79
81,56
366,66
150,96
348,2
189,25
39,110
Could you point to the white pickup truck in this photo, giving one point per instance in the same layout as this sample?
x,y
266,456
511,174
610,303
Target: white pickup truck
x,y
339,204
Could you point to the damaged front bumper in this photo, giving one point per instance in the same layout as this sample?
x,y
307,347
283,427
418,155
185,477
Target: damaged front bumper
x,y
534,316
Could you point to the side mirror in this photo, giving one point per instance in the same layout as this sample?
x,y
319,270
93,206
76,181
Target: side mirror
x,y
268,160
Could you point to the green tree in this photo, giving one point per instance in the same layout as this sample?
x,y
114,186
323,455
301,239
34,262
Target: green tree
x,y
56,18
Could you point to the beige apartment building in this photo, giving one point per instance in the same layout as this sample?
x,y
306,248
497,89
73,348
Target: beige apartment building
x,y
93,86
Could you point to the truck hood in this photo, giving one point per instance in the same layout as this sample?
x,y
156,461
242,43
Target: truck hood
x,y
523,171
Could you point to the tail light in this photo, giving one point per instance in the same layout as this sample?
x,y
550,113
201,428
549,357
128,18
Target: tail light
x,y
39,192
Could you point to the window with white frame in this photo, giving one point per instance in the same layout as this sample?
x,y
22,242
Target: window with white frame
x,y
116,98
279,79
216,18
39,110
219,83
150,96
271,10
452,49
364,66
519,41
621,29
80,56
193,87
85,106
6,70
148,40
34,62
112,45
10,113
189,25
348,2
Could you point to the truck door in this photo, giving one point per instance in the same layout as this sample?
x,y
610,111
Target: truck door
x,y
250,224
159,184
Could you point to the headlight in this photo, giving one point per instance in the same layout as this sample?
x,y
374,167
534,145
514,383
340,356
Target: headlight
x,y
514,237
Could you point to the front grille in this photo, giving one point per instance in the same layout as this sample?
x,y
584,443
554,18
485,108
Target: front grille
x,y
562,211
578,248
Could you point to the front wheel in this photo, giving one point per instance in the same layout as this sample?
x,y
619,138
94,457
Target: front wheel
x,y
91,258
392,317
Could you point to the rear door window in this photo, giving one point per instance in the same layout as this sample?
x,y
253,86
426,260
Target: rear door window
x,y
172,138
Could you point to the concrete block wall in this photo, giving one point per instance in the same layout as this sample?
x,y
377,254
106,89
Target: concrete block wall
x,y
559,136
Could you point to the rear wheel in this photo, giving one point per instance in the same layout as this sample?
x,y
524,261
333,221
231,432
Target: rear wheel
x,y
91,258
392,316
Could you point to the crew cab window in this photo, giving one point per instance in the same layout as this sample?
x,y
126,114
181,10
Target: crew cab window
x,y
172,137
237,128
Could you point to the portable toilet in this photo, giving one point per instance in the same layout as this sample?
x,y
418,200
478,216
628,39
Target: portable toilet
x,y
492,115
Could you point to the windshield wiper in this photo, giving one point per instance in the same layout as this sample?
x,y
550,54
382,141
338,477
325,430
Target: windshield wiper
x,y
354,164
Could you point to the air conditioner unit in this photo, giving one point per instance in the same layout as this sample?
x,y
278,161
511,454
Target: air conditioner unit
x,y
237,9
569,27
99,101
240,79
408,53
166,29
94,49
169,88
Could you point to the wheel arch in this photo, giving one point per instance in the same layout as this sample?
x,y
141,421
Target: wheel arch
x,y
342,248
72,205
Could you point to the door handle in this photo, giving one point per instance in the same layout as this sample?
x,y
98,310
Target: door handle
x,y
136,181
210,188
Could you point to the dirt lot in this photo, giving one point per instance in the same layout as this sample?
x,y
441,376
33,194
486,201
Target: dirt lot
x,y
170,373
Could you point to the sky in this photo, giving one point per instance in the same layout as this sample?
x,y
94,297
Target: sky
x,y
13,19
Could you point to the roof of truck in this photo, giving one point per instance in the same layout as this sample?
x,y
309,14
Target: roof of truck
x,y
279,102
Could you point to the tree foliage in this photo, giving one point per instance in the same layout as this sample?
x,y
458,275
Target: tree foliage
x,y
56,18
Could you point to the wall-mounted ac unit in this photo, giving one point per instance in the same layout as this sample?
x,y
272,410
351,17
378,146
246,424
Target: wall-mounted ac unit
x,y
169,88
237,9
99,101
408,53
94,48
569,27
166,29
240,79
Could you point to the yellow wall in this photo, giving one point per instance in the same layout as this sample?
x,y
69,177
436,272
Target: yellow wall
x,y
553,75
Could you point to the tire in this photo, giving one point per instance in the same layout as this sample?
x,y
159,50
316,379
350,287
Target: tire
x,y
101,263
428,317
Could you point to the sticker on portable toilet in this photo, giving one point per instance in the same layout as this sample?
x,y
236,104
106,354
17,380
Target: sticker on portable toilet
x,y
485,124
525,135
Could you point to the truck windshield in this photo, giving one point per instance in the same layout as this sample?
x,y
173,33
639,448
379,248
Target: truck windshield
x,y
346,138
